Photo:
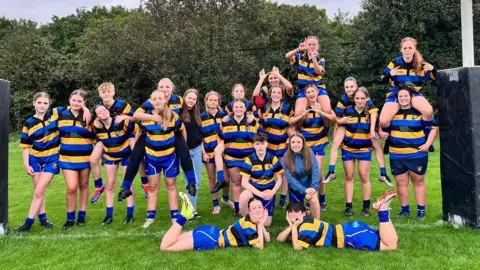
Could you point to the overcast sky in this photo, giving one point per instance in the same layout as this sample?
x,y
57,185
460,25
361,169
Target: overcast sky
x,y
42,10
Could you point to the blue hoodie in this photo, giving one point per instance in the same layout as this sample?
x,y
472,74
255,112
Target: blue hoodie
x,y
302,181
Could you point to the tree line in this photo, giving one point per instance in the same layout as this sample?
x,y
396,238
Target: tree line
x,y
213,44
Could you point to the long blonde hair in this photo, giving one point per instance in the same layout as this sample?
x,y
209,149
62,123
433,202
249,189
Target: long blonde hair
x,y
417,56
306,155
185,115
219,100
166,112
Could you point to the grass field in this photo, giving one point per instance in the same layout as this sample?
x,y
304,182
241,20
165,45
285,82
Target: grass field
x,y
429,244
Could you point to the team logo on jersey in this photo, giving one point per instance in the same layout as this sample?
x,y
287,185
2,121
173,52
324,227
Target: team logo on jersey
x,y
355,224
247,128
269,166
414,117
54,165
419,168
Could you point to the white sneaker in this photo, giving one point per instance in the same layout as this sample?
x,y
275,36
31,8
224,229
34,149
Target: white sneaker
x,y
148,222
216,210
383,203
227,203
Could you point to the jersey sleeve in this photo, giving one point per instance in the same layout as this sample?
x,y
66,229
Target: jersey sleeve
x,y
386,73
25,140
277,166
145,107
305,236
128,110
371,107
178,123
294,59
246,169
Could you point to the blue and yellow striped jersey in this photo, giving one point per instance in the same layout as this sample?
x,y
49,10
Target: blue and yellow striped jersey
x,y
238,138
160,143
211,125
261,172
115,139
175,103
242,233
41,136
346,102
119,107
407,76
251,108
313,232
306,70
357,133
274,124
76,144
407,134
314,130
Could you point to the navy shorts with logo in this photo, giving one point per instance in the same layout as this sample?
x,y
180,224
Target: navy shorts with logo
x,y
416,165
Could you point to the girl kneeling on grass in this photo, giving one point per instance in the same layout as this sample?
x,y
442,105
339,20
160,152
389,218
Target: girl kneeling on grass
x,y
115,139
40,143
248,231
160,154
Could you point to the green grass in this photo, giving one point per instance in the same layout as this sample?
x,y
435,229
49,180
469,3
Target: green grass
x,y
422,245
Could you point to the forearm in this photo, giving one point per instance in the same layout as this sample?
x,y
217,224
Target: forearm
x,y
138,116
25,156
260,229
291,53
278,183
266,235
432,136
283,236
295,239
256,91
247,186
373,121
318,68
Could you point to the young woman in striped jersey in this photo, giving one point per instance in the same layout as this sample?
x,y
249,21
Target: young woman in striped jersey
x,y
211,125
40,143
262,92
76,146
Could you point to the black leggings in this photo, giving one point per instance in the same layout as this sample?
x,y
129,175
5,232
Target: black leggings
x,y
138,155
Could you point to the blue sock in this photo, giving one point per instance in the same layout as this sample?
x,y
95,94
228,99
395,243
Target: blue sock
x,y
220,176
237,206
29,221
82,214
126,184
406,208
383,216
322,198
71,216
420,207
283,198
215,203
98,183
144,180
42,216
181,220
109,211
151,214
331,168
130,211
226,197
190,177
427,127
383,171
173,214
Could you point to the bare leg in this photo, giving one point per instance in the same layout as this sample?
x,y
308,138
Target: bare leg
x,y
325,103
245,196
337,141
38,202
172,192
175,240
419,188
153,187
364,172
349,168
94,160
84,189
315,206
402,188
388,112
71,180
111,173
300,105
421,104
388,236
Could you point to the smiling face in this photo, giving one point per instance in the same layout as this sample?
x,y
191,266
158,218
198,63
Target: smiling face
x,y
312,45
360,99
158,100
41,104
276,94
293,216
238,92
256,210
102,113
77,102
311,93
190,100
404,98
239,108
296,144
166,86
107,94
408,49
350,87
273,79
212,101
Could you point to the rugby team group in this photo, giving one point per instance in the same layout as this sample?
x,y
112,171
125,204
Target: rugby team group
x,y
254,149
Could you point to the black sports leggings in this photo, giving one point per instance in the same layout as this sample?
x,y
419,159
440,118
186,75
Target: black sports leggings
x,y
138,154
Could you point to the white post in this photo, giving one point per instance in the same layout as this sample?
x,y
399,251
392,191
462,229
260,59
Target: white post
x,y
467,33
